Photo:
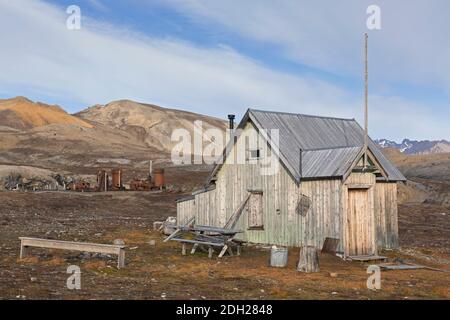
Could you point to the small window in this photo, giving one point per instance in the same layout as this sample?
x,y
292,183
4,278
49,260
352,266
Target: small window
x,y
255,211
255,154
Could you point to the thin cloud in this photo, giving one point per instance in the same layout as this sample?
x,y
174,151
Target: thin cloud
x,y
101,62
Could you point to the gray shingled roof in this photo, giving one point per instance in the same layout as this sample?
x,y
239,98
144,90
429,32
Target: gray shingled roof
x,y
329,145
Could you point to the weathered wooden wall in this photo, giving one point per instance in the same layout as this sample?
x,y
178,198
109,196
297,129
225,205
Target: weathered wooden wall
x,y
386,218
185,211
282,224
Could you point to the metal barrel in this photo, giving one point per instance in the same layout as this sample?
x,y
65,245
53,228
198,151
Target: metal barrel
x,y
158,176
278,257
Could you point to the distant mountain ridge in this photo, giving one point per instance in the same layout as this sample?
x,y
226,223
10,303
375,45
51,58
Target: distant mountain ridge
x,y
408,146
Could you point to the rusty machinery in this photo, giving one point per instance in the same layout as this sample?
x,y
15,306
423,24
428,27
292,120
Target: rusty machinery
x,y
117,179
79,186
154,181
102,180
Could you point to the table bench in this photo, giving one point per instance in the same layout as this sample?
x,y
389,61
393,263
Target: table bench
x,y
119,250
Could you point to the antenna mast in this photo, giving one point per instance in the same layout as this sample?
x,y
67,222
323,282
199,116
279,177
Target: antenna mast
x,y
366,100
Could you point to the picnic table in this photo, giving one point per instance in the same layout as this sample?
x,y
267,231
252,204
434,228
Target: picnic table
x,y
211,237
208,237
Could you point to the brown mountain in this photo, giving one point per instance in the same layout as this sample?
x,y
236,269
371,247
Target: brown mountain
x,y
122,133
150,124
22,113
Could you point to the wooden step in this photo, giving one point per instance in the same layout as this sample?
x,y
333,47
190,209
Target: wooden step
x,y
365,258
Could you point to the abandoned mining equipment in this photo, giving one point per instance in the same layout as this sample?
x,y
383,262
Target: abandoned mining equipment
x,y
79,186
102,180
158,179
117,179
154,181
141,185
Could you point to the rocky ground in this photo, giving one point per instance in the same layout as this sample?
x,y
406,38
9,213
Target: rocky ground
x,y
157,270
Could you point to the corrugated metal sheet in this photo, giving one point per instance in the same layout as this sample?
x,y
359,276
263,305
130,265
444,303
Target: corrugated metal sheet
x,y
328,144
328,162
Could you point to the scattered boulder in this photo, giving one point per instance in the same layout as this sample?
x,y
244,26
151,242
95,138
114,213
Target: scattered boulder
x,y
119,242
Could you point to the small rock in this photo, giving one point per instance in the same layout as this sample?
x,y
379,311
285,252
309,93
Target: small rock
x,y
334,293
153,280
152,242
262,290
133,248
98,234
333,274
119,242
33,279
163,295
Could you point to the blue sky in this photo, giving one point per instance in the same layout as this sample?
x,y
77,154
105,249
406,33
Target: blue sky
x,y
219,57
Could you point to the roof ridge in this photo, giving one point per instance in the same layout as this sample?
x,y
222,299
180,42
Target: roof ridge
x,y
301,114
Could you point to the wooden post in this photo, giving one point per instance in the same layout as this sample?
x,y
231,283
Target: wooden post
x,y
366,100
210,252
194,248
308,260
23,251
121,259
224,249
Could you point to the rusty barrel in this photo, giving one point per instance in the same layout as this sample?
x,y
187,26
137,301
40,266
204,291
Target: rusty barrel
x,y
116,178
158,175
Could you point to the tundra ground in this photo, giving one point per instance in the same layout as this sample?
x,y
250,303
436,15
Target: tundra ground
x,y
159,271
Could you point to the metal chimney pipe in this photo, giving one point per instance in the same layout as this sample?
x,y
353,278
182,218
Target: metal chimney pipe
x,y
231,119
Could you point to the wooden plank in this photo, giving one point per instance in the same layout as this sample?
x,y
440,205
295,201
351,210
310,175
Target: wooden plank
x,y
364,258
71,245
184,241
26,243
330,245
175,233
224,249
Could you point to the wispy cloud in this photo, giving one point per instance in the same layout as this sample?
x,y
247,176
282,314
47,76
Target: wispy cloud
x,y
412,46
102,62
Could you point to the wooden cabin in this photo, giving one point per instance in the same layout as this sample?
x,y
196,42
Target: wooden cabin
x,y
321,190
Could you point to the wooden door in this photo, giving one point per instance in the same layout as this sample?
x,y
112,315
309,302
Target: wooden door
x,y
360,232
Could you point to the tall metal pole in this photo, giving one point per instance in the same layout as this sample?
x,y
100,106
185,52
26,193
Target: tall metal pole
x,y
366,100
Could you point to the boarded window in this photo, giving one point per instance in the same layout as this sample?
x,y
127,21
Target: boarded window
x,y
255,211
303,205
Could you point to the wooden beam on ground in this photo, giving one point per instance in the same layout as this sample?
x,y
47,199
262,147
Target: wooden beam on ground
x,y
26,243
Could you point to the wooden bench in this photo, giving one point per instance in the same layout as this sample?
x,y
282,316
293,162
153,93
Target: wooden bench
x,y
26,243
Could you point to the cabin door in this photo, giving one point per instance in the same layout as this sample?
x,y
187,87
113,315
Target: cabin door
x,y
360,219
